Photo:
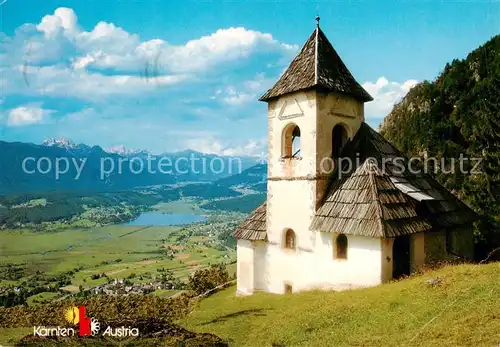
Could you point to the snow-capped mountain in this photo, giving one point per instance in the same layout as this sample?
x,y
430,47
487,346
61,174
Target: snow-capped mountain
x,y
61,142
67,144
123,151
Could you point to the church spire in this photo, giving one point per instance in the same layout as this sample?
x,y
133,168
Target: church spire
x,y
317,65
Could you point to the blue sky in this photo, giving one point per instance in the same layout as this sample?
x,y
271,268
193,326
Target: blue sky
x,y
169,75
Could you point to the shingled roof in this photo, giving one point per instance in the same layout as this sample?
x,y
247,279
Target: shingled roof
x,y
367,203
254,226
317,65
387,201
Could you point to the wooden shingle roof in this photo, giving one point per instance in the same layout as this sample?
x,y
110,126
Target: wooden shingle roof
x,y
317,66
379,198
254,227
367,203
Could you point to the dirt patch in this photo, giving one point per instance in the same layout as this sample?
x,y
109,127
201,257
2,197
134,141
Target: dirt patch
x,y
183,256
174,247
199,238
114,272
193,268
146,262
71,289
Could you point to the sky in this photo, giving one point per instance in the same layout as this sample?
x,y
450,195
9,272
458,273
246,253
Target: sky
x,y
170,75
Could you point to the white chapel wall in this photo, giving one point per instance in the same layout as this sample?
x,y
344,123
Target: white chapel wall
x,y
245,267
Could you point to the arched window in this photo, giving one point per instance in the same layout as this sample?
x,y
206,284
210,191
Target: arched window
x,y
289,239
341,247
291,142
339,138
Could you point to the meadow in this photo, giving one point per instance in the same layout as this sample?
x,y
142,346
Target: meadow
x,y
452,306
118,251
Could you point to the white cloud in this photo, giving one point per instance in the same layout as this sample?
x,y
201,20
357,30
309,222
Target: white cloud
x,y
63,19
385,95
83,62
211,145
248,91
110,46
58,57
120,50
107,37
250,148
237,98
27,115
221,46
66,82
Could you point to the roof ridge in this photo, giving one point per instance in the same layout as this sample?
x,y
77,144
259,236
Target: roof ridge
x,y
316,67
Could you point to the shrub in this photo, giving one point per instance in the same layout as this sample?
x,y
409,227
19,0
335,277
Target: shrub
x,y
204,280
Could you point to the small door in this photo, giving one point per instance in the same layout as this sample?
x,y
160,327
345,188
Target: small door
x,y
401,259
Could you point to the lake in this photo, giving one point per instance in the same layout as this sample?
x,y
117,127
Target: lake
x,y
162,219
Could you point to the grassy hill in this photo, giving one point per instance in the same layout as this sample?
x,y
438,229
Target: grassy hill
x,y
452,306
462,310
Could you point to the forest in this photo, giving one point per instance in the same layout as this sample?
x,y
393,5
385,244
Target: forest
x,y
458,114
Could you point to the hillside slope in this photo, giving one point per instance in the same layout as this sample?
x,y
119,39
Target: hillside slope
x,y
461,309
458,114
255,177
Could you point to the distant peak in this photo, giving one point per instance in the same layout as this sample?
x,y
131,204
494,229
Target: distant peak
x,y
122,150
60,142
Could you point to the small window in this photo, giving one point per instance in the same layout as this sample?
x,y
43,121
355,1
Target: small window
x,y
341,247
291,142
288,289
289,239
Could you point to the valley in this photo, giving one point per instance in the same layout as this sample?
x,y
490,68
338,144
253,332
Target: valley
x,y
44,266
146,240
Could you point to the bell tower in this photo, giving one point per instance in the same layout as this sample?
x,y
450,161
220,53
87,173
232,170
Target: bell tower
x,y
313,110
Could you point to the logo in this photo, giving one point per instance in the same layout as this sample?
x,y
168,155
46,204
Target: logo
x,y
88,326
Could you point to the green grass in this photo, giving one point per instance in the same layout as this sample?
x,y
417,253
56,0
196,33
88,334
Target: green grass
x,y
463,310
50,253
41,298
7,335
187,206
165,293
98,249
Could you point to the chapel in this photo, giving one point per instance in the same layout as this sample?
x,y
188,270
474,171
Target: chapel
x,y
340,213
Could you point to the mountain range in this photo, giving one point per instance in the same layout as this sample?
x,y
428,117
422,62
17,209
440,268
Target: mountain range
x,y
27,167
